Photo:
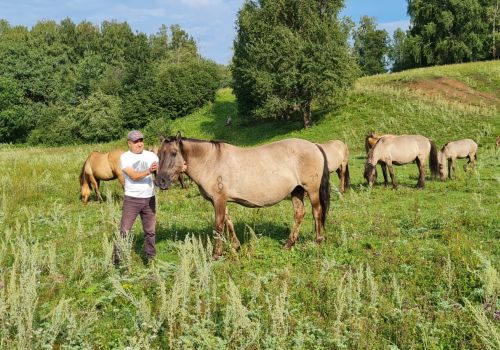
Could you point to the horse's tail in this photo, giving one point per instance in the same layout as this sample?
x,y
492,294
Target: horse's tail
x,y
324,189
347,177
433,159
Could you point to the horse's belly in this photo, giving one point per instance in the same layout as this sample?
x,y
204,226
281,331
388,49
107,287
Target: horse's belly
x,y
262,197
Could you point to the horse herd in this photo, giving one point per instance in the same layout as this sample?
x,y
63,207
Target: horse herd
x,y
264,175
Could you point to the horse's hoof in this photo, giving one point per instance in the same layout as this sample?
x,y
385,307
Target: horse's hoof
x,y
216,257
288,245
320,239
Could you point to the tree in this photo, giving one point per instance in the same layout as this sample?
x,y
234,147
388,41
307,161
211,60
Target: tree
x,y
289,53
371,46
449,31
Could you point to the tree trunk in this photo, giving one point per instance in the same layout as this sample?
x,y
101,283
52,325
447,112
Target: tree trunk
x,y
306,114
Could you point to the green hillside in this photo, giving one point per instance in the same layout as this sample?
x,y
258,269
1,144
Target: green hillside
x,y
405,269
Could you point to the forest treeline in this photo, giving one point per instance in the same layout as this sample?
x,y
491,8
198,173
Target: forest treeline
x,y
66,83
81,83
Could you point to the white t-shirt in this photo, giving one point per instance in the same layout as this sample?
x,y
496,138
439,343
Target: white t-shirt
x,y
143,188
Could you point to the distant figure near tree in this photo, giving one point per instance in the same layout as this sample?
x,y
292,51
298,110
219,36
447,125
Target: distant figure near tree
x,y
228,121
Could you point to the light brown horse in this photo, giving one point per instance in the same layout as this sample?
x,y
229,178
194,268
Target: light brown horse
x,y
448,155
337,155
253,177
370,141
100,166
400,150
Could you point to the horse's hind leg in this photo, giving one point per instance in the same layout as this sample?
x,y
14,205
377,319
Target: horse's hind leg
x,y
299,212
232,234
317,211
421,173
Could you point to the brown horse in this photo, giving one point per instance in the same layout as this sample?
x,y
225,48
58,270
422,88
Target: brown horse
x,y
253,177
181,176
460,149
400,150
100,166
337,155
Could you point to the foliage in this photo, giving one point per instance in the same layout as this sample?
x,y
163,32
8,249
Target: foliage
x,y
61,72
451,31
370,46
288,54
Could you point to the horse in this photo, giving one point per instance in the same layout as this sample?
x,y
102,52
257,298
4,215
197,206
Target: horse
x,y
400,150
100,166
370,141
460,149
180,178
253,177
337,155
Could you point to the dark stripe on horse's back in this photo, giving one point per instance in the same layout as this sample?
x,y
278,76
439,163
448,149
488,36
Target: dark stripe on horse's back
x,y
324,189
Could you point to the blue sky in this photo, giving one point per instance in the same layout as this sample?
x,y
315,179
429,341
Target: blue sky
x,y
210,22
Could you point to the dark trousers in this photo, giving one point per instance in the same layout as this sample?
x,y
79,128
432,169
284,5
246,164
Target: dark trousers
x,y
146,207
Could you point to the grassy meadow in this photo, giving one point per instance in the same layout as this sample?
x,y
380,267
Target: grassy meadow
x,y
404,269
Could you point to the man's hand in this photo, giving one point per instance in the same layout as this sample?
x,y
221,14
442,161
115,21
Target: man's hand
x,y
153,167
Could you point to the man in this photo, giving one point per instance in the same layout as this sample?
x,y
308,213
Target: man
x,y
137,166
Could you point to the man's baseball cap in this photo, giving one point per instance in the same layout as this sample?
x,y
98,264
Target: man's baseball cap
x,y
135,135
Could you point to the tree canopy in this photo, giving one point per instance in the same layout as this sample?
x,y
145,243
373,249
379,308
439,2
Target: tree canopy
x,y
289,53
71,83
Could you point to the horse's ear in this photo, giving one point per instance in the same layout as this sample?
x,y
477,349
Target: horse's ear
x,y
178,136
162,138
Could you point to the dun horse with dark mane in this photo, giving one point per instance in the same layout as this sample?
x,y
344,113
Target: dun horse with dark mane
x,y
254,177
100,166
400,150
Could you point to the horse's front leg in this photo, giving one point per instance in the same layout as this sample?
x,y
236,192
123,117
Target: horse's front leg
x,y
393,176
298,216
454,167
220,217
341,174
421,173
235,242
449,168
384,172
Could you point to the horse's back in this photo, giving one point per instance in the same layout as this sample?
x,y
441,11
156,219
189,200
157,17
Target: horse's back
x,y
266,174
404,148
460,148
103,165
336,153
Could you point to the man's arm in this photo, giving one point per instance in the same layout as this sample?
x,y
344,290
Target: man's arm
x,y
139,175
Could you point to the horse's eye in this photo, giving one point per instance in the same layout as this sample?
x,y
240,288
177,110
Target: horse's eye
x,y
174,153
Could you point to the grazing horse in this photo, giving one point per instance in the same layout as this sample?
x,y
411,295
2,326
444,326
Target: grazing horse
x,y
400,150
370,141
337,155
100,166
253,177
460,149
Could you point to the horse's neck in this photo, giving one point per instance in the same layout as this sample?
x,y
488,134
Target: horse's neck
x,y
198,156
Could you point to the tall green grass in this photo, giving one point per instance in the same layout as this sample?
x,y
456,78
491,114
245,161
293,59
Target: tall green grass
x,y
403,269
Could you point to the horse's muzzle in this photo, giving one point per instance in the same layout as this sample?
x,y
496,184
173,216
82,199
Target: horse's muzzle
x,y
163,182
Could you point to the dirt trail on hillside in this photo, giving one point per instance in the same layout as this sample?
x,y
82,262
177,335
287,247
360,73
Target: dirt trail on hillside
x,y
454,90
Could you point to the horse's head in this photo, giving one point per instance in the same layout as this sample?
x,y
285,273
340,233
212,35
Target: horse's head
x,y
370,173
171,161
443,170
